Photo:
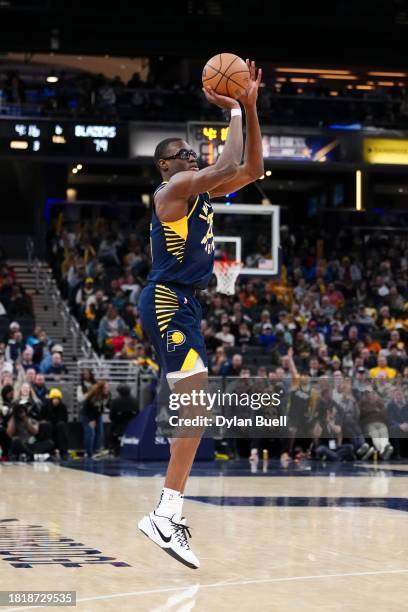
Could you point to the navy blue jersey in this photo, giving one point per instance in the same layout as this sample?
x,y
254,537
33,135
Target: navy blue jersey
x,y
183,250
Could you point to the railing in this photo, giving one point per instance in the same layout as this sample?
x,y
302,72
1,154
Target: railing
x,y
114,372
81,347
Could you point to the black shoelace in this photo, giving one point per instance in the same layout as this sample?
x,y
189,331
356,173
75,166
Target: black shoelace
x,y
180,533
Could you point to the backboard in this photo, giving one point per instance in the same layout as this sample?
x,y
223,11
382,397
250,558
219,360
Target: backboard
x,y
249,233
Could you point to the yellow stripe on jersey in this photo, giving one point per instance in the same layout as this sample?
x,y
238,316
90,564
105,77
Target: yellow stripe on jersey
x,y
175,233
189,361
166,305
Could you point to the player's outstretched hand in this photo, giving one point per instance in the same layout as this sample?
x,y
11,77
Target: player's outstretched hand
x,y
221,101
250,96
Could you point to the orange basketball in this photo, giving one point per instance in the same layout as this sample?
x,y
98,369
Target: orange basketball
x,y
227,74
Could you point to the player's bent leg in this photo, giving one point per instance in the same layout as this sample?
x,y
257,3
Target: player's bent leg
x,y
165,526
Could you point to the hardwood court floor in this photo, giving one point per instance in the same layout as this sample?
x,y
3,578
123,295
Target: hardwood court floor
x,y
332,539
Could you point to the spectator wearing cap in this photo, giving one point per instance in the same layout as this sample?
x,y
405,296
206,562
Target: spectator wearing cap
x,y
382,368
267,338
46,363
54,414
84,293
57,367
15,345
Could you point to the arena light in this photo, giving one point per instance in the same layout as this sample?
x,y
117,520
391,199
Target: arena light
x,y
365,87
79,166
388,74
71,194
261,178
268,173
52,78
313,71
74,170
338,77
387,83
299,80
19,144
359,190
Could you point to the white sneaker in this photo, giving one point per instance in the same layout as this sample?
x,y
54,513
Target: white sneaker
x,y
171,535
387,452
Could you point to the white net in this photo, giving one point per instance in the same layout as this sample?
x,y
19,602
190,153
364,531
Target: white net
x,y
227,273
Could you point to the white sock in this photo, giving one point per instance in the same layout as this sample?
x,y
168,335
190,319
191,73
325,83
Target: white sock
x,y
171,502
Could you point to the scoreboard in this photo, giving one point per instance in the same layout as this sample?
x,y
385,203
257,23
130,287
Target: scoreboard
x,y
207,139
79,139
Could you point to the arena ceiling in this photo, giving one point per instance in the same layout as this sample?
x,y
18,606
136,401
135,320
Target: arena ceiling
x,y
371,32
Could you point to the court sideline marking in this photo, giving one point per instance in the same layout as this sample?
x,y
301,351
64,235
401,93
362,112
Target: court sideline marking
x,y
215,585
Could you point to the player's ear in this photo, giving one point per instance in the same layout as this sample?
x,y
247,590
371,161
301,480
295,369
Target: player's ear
x,y
163,165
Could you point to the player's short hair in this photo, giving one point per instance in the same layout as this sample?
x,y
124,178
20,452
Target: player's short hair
x,y
161,149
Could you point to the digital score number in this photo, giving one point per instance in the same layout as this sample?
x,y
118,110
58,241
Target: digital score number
x,y
26,137
210,142
86,139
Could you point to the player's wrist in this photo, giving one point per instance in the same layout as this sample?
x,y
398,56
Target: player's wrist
x,y
236,111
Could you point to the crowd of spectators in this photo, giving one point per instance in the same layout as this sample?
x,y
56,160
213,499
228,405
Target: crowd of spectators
x,y
338,313
93,94
33,413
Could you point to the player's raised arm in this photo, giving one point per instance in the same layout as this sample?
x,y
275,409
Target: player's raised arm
x,y
252,167
188,183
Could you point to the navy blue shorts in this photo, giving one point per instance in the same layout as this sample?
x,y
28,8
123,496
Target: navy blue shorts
x,y
171,317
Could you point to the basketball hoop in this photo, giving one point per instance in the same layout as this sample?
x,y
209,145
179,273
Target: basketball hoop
x,y
227,273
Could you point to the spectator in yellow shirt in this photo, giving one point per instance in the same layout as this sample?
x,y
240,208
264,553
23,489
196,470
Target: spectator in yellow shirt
x,y
382,368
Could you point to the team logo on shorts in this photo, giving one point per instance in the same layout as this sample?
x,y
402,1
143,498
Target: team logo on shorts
x,y
175,338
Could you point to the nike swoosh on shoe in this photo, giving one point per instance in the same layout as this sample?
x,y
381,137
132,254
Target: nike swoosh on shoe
x,y
163,537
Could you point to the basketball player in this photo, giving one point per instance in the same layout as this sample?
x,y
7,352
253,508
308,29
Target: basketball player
x,y
182,263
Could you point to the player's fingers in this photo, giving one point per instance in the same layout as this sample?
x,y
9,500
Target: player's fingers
x,y
253,70
259,77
